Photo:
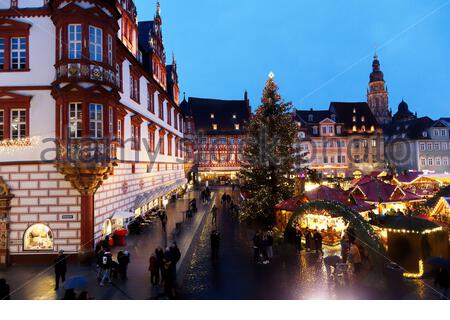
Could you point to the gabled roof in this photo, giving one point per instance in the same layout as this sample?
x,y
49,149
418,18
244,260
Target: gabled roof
x,y
408,177
303,116
144,28
223,111
346,110
412,129
381,192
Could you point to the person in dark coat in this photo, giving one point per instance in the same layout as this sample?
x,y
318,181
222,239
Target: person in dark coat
x,y
163,218
442,280
4,290
175,256
124,260
318,242
154,271
257,247
160,260
60,268
298,240
308,240
215,243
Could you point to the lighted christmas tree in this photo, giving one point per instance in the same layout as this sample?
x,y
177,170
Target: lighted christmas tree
x,y
271,162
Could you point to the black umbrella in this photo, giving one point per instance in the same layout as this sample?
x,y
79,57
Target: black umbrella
x,y
439,262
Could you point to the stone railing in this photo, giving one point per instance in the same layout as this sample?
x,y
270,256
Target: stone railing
x,y
87,151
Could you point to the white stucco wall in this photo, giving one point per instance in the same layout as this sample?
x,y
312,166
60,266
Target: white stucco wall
x,y
42,126
42,55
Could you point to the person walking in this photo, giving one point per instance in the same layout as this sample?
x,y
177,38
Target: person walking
x,y
163,218
256,247
160,260
4,290
124,261
344,248
60,268
106,264
153,268
355,258
442,280
214,215
318,242
308,240
298,240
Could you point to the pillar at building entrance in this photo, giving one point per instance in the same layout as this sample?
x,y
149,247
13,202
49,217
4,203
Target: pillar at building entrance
x,y
5,207
86,178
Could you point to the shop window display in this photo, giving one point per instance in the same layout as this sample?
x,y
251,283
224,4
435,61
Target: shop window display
x,y
38,237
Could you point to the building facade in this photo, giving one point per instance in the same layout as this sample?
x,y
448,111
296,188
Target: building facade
x,y
343,141
89,123
215,130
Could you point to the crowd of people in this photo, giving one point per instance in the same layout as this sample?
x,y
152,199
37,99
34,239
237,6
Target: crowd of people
x,y
263,247
163,268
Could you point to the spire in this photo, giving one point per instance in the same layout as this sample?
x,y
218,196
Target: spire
x,y
158,9
245,95
174,61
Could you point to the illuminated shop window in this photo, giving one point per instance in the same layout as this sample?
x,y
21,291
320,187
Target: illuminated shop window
x,y
38,237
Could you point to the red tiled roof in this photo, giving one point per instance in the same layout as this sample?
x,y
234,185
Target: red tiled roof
x,y
408,177
379,191
324,193
291,204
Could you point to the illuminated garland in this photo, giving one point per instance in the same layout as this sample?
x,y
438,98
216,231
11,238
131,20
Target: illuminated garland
x,y
14,144
415,275
413,231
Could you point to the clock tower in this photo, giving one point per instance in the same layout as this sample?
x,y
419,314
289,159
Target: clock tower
x,y
377,94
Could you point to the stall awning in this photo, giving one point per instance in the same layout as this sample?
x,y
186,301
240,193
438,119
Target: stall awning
x,y
160,191
123,215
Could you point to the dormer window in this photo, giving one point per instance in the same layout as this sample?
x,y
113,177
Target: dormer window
x,y
354,110
333,117
354,128
310,118
234,116
363,119
214,126
354,119
212,115
424,134
236,126
372,128
363,128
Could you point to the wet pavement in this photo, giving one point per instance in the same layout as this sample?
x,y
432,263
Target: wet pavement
x,y
234,276
37,282
288,276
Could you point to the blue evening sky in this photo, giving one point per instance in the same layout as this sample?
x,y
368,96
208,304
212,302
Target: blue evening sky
x,y
320,51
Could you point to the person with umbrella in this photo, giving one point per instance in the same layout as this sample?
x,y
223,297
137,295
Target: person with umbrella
x,y
60,268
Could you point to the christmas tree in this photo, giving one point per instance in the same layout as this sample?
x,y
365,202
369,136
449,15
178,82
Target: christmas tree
x,y
271,161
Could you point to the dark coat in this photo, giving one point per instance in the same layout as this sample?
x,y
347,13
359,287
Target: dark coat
x,y
60,264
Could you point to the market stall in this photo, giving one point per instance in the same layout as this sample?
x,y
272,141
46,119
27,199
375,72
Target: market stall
x,y
411,240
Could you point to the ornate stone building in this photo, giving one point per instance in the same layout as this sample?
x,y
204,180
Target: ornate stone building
x,y
214,131
90,124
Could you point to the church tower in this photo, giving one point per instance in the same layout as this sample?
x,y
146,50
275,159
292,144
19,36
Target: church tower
x,y
377,94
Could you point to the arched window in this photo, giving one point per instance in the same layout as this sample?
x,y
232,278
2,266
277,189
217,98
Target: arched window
x,y
38,237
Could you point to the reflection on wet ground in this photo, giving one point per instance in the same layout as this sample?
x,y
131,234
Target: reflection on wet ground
x,y
288,276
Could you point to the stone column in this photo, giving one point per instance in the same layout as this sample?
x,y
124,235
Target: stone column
x,y
5,207
86,178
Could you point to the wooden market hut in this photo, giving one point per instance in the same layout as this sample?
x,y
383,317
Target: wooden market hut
x,y
411,240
